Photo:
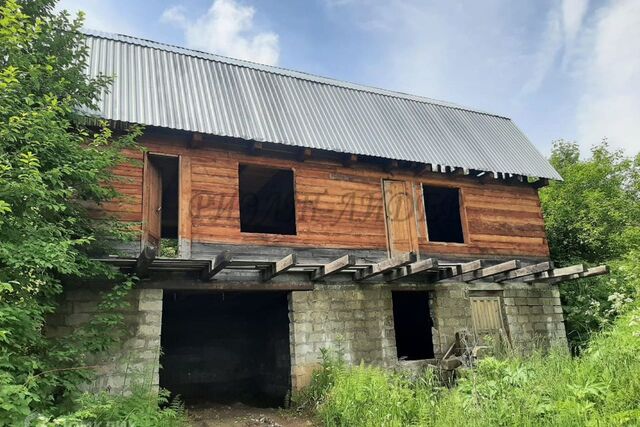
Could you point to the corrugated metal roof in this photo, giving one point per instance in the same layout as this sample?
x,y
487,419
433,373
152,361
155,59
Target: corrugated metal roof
x,y
167,86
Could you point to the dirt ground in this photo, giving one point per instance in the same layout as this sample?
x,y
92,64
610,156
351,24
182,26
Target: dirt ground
x,y
240,415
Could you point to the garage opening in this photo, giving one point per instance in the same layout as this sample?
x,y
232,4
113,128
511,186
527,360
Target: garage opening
x,y
412,323
226,347
267,202
442,207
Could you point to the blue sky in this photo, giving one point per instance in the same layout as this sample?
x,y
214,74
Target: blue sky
x,y
560,68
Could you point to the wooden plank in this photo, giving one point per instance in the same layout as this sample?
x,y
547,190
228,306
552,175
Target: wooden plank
x,y
334,267
146,257
217,264
184,206
466,268
279,267
590,272
223,285
556,273
386,265
524,271
430,264
503,267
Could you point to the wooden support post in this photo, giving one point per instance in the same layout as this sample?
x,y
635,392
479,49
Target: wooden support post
x,y
430,264
144,261
334,267
279,267
217,264
556,273
386,265
590,272
524,271
492,271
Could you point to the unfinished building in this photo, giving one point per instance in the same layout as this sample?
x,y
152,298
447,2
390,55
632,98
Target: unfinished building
x,y
301,213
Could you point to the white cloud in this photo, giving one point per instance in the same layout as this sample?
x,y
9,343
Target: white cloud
x,y
227,28
564,24
100,15
610,106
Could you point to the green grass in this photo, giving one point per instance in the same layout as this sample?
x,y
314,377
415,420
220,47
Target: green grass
x,y
599,388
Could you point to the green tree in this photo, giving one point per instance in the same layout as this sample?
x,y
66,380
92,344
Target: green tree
x,y
52,167
593,217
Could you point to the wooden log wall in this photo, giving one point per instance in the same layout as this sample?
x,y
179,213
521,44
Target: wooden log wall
x,y
336,206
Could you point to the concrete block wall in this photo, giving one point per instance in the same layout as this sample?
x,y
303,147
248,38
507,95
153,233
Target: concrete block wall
x,y
357,319
136,360
532,314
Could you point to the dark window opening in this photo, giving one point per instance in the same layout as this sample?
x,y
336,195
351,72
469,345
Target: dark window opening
x,y
412,323
442,207
226,347
267,202
168,168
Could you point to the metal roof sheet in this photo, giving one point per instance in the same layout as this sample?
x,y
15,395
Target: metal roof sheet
x,y
173,87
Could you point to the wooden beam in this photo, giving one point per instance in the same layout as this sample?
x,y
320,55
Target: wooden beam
x,y
386,265
304,154
466,268
424,169
430,264
334,267
349,159
279,267
389,165
456,171
146,257
492,271
196,141
524,271
254,148
556,273
542,182
590,272
217,264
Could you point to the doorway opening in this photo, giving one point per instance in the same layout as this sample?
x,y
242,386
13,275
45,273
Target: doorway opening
x,y
412,323
161,199
226,347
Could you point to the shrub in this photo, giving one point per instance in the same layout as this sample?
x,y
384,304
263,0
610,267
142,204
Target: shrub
x,y
601,387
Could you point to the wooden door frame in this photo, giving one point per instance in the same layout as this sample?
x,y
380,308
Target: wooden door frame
x,y
411,207
145,204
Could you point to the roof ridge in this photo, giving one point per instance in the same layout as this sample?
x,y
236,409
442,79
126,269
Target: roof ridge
x,y
139,41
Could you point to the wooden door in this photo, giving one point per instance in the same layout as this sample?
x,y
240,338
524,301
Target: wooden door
x,y
152,204
402,235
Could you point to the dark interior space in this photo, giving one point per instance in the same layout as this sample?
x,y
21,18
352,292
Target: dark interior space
x,y
442,206
226,347
267,202
412,323
168,167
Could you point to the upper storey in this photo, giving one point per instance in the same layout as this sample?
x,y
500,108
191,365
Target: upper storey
x,y
171,87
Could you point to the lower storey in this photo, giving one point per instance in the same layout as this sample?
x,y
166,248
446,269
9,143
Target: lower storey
x,y
257,347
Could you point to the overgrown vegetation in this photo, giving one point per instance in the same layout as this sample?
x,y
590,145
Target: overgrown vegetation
x,y
601,387
52,168
592,217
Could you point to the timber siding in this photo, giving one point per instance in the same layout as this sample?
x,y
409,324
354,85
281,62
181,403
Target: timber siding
x,y
336,206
